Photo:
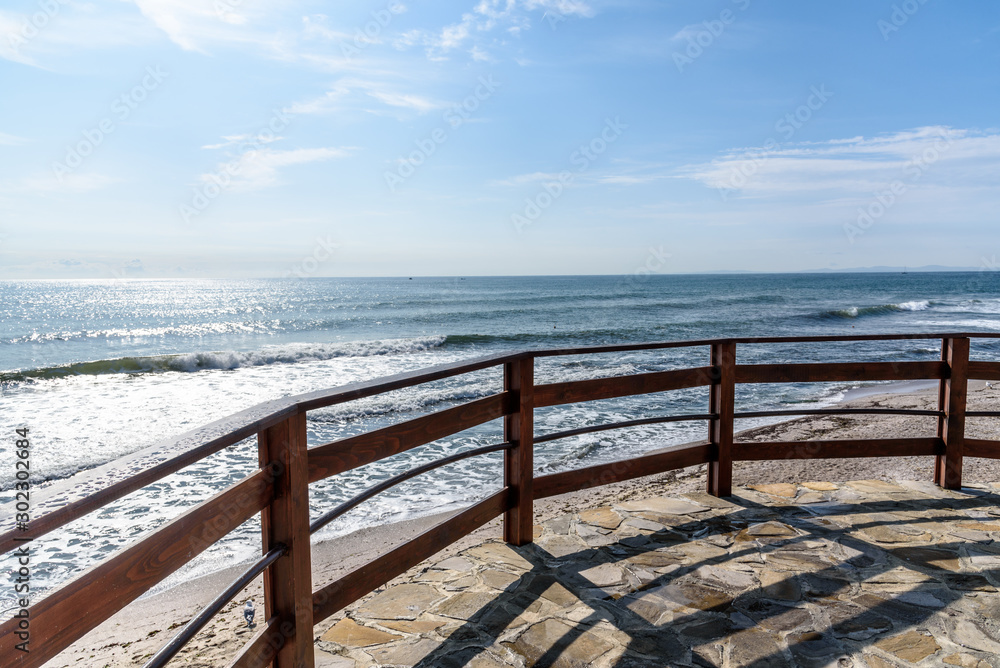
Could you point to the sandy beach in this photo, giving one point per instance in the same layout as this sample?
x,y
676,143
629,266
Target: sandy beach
x,y
130,637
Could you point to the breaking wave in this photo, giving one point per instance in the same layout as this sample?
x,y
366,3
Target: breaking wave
x,y
226,360
882,309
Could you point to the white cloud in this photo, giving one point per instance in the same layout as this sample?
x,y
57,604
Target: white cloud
x,y
11,140
533,177
360,92
259,168
61,29
486,16
923,156
195,24
12,39
69,183
233,140
415,102
326,103
564,7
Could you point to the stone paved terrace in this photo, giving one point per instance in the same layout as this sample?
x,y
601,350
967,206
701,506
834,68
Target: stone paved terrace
x,y
864,573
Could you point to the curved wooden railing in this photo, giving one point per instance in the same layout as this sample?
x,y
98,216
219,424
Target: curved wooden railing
x,y
278,490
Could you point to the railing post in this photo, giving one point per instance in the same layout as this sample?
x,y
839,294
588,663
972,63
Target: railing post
x,y
952,399
288,582
518,463
722,403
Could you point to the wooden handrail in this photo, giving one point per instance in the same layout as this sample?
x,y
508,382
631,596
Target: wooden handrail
x,y
350,453
74,609
839,372
621,386
279,490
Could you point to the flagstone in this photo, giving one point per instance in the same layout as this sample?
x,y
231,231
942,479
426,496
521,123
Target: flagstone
x,y
780,586
404,601
820,486
454,564
464,604
497,579
875,487
493,553
349,633
585,648
965,661
664,506
785,490
911,646
602,517
419,625
405,653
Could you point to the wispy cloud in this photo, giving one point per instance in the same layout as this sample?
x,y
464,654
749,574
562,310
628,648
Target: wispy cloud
x,y
415,102
486,17
195,25
522,179
259,168
359,93
69,183
234,140
11,140
59,30
11,38
856,164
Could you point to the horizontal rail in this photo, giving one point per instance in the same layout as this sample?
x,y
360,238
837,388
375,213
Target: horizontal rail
x,y
982,413
663,345
68,613
837,449
198,622
984,370
839,411
349,588
571,392
74,510
260,651
622,425
977,447
353,502
669,459
839,372
369,388
352,452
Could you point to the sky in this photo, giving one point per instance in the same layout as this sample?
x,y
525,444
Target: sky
x,y
237,138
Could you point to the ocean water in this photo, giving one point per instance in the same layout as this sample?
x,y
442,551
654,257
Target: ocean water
x,y
100,369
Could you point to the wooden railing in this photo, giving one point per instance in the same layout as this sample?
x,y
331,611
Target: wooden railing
x,y
278,490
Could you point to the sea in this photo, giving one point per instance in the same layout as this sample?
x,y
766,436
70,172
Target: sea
x,y
96,370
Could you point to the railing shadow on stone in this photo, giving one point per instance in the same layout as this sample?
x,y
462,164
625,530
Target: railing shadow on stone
x,y
489,622
278,490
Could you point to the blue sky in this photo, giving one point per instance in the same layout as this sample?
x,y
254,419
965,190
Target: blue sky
x,y
151,138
